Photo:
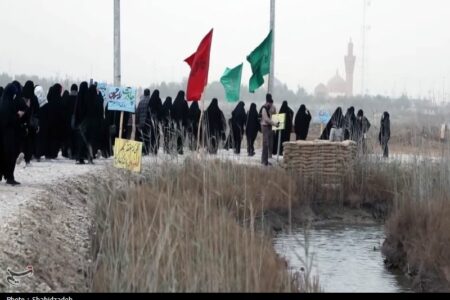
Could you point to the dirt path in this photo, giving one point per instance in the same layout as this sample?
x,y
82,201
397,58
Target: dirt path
x,y
45,223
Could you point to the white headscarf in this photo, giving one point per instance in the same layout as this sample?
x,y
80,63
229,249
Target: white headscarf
x,y
39,93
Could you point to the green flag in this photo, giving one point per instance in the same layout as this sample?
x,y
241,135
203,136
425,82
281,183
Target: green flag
x,y
231,81
260,60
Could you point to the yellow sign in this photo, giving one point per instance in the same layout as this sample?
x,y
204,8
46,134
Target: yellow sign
x,y
128,155
279,118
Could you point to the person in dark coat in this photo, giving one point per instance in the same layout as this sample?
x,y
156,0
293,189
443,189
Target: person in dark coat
x,y
286,133
215,126
1,91
238,120
167,124
302,122
336,122
80,125
22,104
94,121
143,122
193,125
42,137
155,105
361,129
31,122
252,127
69,100
385,133
11,113
56,121
349,124
179,113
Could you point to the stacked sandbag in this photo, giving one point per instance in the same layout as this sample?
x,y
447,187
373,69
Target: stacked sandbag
x,y
321,159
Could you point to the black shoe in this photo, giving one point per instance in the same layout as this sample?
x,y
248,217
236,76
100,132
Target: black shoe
x,y
81,162
12,182
91,162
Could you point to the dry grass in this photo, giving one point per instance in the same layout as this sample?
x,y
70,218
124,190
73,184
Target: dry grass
x,y
418,228
194,227
191,228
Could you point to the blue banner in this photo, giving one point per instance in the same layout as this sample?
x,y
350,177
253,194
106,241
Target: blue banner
x,y
121,99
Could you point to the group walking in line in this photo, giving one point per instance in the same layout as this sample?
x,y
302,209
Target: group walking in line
x,y
78,125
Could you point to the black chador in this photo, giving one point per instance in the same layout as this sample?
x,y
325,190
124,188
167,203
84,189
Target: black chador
x,y
215,126
180,112
155,105
302,122
252,128
286,133
238,120
10,128
193,125
336,121
167,124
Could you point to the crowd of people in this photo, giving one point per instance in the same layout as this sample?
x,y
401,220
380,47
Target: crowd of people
x,y
78,124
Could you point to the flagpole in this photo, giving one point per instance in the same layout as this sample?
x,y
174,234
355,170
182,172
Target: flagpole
x,y
117,62
272,63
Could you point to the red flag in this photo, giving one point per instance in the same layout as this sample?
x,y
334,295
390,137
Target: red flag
x,y
199,63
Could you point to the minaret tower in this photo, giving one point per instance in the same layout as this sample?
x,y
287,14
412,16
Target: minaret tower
x,y
350,60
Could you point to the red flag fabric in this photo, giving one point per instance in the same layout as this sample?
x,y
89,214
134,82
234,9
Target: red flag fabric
x,y
199,63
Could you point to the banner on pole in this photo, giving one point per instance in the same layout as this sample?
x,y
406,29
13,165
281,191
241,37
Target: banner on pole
x,y
121,98
128,155
102,87
279,118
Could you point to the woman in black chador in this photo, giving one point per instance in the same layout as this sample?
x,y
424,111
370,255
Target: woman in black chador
x,y
302,122
238,120
361,129
251,129
167,125
94,118
11,113
336,122
286,133
385,133
193,122
155,105
80,125
180,112
68,149
349,124
55,121
215,126
42,138
32,124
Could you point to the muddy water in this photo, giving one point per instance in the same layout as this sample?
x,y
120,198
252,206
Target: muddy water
x,y
345,258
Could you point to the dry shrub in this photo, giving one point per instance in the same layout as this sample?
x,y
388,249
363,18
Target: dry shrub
x,y
422,231
177,232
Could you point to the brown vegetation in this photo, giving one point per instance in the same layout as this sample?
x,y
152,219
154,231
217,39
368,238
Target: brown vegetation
x,y
192,228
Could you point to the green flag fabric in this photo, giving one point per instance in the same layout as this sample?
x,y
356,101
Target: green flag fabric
x,y
231,81
260,60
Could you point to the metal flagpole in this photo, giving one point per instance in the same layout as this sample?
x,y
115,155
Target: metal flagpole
x,y
272,64
117,75
117,71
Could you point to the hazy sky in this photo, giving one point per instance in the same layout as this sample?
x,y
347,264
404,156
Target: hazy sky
x,y
408,43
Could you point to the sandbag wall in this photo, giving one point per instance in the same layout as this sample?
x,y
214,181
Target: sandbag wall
x,y
320,159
